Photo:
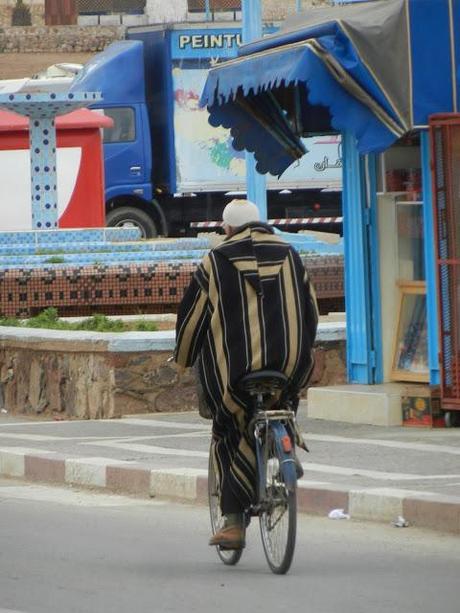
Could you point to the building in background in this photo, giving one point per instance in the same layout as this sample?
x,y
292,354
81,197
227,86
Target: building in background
x,y
142,12
61,12
36,9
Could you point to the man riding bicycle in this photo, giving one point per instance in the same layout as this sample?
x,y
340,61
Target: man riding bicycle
x,y
250,306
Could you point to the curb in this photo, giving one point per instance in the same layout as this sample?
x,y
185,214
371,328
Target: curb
x,y
432,511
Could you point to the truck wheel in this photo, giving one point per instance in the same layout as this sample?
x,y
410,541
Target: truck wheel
x,y
129,217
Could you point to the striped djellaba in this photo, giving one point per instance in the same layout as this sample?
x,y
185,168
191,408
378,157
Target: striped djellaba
x,y
250,306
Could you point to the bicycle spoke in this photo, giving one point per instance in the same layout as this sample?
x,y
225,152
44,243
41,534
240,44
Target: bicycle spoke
x,y
278,521
229,557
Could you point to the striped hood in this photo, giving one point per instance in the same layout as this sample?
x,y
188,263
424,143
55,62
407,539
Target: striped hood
x,y
244,251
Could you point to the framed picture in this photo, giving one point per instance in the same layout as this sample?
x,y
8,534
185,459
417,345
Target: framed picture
x,y
410,354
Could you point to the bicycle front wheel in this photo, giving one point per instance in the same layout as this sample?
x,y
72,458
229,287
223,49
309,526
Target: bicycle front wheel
x,y
228,556
278,519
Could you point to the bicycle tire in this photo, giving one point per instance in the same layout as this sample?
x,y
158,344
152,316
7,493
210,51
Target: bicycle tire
x,y
280,512
232,556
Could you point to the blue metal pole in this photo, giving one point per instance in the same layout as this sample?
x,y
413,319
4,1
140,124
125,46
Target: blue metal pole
x,y
256,183
360,354
430,260
373,247
207,8
298,5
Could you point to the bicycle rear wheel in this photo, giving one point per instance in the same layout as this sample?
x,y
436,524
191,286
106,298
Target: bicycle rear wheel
x,y
278,519
230,556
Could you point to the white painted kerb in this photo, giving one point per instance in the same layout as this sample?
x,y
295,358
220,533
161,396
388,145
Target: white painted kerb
x,y
124,342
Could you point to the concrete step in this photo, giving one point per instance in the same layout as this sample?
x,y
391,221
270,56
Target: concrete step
x,y
102,247
66,236
378,405
113,257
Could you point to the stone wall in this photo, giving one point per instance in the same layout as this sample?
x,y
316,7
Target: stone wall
x,y
89,38
160,11
91,385
86,379
274,10
62,39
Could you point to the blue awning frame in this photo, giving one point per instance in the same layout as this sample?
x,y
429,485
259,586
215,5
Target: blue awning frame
x,y
246,94
242,95
374,70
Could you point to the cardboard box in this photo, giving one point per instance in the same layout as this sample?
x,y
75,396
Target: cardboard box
x,y
421,406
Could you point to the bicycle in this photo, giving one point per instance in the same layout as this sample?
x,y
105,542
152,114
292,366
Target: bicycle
x,y
276,502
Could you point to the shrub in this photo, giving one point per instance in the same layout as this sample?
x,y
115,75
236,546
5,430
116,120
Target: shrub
x,y
97,323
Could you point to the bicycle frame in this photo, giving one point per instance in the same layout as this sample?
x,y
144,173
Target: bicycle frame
x,y
275,501
272,423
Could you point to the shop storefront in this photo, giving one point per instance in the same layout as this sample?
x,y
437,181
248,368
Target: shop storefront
x,y
372,73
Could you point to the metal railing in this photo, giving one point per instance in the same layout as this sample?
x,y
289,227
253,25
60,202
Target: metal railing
x,y
445,139
98,7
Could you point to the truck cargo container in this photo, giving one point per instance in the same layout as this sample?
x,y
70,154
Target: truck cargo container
x,y
166,168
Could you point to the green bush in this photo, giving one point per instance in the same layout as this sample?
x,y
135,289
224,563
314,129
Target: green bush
x,y
145,326
46,319
49,319
100,323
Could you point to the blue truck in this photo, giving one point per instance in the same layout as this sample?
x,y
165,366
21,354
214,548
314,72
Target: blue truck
x,y
167,170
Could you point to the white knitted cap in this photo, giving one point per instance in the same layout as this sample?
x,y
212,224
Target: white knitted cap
x,y
239,212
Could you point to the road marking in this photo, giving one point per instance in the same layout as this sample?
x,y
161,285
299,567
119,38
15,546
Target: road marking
x,y
382,443
448,484
26,450
125,439
61,495
133,421
308,467
373,474
151,449
51,437
16,424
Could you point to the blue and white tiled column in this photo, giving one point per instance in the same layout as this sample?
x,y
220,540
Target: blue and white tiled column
x,y
43,173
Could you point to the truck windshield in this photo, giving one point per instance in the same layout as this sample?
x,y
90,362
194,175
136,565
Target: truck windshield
x,y
124,126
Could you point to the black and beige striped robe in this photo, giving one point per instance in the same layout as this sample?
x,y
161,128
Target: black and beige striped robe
x,y
249,306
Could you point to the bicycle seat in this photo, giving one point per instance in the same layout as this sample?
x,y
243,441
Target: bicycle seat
x,y
262,382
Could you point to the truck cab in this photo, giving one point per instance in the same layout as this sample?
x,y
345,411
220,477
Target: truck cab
x,y
118,72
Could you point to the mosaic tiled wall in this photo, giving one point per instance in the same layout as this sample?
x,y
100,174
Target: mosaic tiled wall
x,y
131,288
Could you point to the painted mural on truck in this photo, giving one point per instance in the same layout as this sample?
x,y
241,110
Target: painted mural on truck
x,y
204,154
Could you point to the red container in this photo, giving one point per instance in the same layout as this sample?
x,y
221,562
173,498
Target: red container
x,y
395,180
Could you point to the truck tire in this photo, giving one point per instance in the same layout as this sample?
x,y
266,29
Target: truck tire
x,y
129,217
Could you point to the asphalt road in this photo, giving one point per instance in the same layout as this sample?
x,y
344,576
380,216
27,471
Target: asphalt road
x,y
64,550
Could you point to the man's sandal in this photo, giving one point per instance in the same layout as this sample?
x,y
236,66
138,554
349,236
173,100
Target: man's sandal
x,y
231,537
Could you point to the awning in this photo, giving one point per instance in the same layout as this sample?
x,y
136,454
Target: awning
x,y
377,69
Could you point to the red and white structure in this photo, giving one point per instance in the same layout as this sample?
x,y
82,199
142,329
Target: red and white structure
x,y
80,170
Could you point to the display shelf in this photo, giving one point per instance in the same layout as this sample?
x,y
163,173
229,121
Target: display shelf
x,y
410,355
410,241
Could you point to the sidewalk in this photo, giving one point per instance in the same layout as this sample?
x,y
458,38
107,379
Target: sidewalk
x,y
374,473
